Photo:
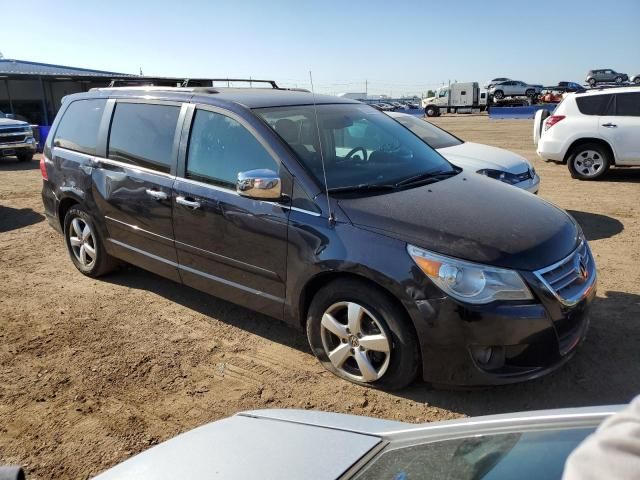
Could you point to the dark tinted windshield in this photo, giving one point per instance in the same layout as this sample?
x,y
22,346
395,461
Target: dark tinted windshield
x,y
360,145
434,136
528,455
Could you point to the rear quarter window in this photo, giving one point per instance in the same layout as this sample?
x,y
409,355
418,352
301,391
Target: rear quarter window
x,y
595,104
78,129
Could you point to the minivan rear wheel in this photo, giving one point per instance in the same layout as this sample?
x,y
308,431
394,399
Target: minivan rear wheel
x,y
359,334
589,161
84,244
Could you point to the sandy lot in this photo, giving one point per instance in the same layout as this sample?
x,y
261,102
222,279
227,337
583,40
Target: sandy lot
x,y
93,371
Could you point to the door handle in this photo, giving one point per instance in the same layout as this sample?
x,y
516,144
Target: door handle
x,y
609,125
156,194
187,203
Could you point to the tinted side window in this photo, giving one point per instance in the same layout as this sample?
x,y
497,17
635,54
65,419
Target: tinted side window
x,y
78,129
628,104
142,134
594,104
220,148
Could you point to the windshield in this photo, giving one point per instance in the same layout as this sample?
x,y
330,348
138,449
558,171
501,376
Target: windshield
x,y
361,146
528,455
434,136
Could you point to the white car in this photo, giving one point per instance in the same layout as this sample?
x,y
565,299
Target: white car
x,y
493,162
592,131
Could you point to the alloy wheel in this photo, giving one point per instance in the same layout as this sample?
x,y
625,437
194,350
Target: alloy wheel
x,y
355,341
588,163
83,242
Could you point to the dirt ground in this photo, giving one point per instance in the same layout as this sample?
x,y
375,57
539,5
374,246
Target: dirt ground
x,y
93,371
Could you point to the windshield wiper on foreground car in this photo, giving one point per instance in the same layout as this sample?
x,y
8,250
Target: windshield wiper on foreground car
x,y
364,187
423,177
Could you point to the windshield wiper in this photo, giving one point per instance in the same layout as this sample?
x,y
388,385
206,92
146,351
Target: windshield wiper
x,y
435,176
364,187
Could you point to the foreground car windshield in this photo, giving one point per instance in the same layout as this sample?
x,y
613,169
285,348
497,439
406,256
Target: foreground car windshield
x,y
361,146
523,455
434,136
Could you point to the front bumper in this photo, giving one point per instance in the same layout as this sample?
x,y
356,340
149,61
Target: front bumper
x,y
503,342
10,149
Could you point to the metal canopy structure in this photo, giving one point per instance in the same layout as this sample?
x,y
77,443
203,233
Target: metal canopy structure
x,y
33,91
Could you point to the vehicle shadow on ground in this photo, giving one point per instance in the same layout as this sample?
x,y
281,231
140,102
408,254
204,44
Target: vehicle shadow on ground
x,y
627,175
596,226
605,370
13,165
14,218
213,307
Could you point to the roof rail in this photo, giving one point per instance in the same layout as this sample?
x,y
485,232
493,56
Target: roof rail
x,y
187,82
247,80
159,89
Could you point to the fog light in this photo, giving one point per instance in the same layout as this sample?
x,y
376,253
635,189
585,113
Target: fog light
x,y
482,355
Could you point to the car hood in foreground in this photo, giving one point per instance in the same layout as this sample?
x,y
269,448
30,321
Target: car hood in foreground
x,y
276,444
475,156
9,122
471,217
242,447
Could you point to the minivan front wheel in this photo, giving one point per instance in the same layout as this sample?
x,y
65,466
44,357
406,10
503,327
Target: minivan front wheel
x,y
359,334
84,244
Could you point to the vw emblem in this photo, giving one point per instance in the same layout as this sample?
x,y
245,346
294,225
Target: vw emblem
x,y
580,267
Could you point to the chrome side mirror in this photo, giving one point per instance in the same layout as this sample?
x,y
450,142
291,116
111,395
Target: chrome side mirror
x,y
261,184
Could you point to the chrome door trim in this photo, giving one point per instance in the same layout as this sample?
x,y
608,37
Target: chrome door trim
x,y
137,229
233,192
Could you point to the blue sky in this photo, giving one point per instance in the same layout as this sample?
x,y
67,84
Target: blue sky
x,y
398,46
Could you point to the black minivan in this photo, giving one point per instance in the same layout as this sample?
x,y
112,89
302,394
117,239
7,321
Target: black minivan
x,y
327,214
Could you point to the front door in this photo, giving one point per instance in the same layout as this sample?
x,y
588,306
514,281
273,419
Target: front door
x,y
133,185
228,245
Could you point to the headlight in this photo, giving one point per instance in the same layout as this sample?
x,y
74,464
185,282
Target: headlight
x,y
506,177
470,282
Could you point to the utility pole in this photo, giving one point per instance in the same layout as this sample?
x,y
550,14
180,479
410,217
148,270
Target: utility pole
x,y
366,89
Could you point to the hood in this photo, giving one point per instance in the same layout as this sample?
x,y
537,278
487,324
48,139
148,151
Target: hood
x,y
471,217
242,447
9,122
475,156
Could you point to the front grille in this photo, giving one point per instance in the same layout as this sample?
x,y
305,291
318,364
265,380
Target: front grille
x,y
571,278
18,138
12,130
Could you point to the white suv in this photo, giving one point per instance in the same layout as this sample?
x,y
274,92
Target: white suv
x,y
592,131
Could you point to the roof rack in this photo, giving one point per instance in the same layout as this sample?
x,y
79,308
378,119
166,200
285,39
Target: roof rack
x,y
159,88
250,81
187,82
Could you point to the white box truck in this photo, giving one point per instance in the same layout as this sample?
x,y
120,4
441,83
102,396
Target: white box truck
x,y
465,97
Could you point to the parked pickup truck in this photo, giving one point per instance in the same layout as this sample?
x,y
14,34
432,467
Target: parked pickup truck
x,y
16,139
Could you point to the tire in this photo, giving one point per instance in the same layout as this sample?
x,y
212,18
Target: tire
x,y
618,80
592,82
431,111
381,317
530,93
637,81
101,263
584,159
25,157
498,94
